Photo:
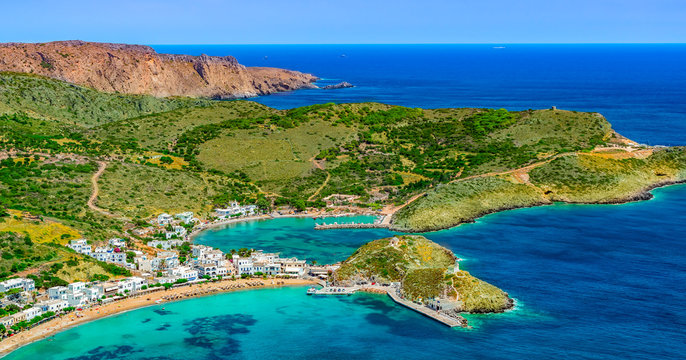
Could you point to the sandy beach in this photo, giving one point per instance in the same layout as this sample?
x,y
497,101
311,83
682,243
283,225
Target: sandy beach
x,y
164,296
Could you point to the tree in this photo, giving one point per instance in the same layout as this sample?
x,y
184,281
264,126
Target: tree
x,y
129,256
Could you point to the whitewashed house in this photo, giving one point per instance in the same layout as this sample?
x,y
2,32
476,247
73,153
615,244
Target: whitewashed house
x,y
53,305
57,293
186,217
80,246
17,283
164,219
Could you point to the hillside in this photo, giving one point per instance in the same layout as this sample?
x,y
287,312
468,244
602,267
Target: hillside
x,y
424,269
598,177
137,69
427,168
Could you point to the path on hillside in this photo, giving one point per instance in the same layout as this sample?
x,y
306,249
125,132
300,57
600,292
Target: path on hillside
x,y
519,174
319,166
328,176
102,165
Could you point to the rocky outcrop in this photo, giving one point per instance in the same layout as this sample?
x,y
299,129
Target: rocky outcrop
x,y
137,69
341,85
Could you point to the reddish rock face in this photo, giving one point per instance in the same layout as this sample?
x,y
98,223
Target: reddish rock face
x,y
138,69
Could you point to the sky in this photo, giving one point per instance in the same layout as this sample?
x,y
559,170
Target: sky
x,y
344,21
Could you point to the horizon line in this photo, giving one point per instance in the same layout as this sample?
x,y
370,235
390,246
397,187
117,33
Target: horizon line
x,y
379,43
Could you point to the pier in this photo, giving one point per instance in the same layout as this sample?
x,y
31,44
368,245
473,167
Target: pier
x,y
452,321
333,290
349,226
442,318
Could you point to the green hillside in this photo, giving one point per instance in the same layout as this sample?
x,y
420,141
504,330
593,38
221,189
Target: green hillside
x,y
75,105
424,269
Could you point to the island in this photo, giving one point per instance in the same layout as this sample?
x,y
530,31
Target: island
x,y
423,272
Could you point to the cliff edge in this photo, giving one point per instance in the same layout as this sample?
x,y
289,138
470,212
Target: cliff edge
x,y
138,69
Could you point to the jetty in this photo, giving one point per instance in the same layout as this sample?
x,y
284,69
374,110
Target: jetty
x,y
349,226
436,315
333,290
377,224
448,320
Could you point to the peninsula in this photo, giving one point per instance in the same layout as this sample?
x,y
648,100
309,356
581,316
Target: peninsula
x,y
426,273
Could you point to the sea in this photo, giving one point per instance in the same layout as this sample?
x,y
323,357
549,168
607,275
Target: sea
x,y
590,281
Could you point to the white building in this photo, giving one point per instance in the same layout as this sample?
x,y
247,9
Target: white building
x,y
243,265
165,244
107,254
184,272
164,219
131,284
178,231
116,242
186,217
76,299
53,305
236,210
76,286
32,312
164,260
17,283
92,293
57,293
80,246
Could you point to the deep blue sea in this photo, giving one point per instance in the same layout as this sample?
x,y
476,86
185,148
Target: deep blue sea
x,y
591,281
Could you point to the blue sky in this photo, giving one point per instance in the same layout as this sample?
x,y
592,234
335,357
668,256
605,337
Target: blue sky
x,y
345,21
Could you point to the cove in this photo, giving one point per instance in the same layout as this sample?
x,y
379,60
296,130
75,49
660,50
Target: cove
x,y
591,281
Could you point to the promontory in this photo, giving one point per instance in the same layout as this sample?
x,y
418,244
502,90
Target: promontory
x,y
138,69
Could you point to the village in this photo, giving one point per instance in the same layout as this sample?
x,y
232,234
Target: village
x,y
165,259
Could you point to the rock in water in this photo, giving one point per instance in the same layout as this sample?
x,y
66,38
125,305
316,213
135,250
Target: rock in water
x,y
342,85
138,69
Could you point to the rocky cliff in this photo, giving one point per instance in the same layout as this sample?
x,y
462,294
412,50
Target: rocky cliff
x,y
137,69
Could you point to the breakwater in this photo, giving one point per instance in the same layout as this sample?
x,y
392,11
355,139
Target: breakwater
x,y
350,226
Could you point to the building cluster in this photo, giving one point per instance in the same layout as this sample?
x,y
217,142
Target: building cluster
x,y
172,226
261,263
235,210
59,298
114,252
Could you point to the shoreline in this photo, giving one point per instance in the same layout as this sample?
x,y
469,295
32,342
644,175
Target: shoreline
x,y
217,224
644,194
98,312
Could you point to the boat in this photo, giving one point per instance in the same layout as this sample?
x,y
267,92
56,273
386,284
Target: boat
x,y
311,291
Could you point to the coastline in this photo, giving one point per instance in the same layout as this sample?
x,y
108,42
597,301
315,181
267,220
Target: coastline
x,y
208,226
642,195
98,312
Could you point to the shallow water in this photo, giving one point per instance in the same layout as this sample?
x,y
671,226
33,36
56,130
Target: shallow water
x,y
591,281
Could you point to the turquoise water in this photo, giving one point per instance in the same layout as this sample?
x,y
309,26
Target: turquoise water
x,y
591,281
293,237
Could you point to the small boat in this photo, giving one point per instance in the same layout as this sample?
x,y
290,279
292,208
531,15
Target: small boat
x,y
311,291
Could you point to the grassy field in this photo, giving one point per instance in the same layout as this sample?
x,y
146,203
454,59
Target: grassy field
x,y
456,203
157,131
139,191
596,178
40,231
273,158
76,105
